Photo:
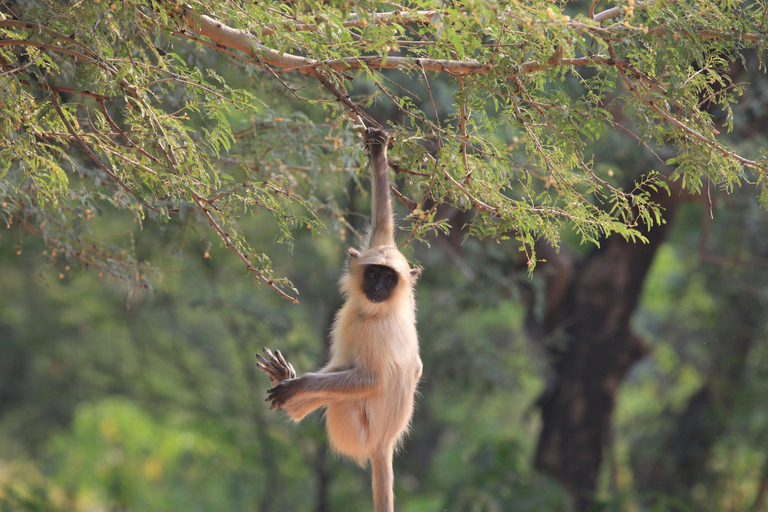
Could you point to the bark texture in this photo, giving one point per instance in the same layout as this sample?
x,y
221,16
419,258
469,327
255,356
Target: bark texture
x,y
585,327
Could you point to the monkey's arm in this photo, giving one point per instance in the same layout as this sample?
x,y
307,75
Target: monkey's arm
x,y
337,384
383,226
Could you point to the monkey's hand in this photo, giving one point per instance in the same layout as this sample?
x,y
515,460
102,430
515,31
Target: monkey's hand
x,y
283,392
275,366
376,138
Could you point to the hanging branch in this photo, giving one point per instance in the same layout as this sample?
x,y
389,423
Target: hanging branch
x,y
672,120
199,200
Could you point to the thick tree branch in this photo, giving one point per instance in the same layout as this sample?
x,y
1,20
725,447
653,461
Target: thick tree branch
x,y
246,41
380,18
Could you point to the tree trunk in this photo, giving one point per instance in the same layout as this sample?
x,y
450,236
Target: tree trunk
x,y
587,335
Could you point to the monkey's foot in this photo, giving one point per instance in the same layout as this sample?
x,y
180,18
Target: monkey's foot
x,y
275,366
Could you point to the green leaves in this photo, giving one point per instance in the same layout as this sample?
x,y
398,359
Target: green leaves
x,y
506,110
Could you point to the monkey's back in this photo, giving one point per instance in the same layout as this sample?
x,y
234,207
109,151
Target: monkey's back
x,y
387,349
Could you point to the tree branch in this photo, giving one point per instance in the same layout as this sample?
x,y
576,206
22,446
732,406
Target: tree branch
x,y
246,42
93,155
380,18
672,120
199,200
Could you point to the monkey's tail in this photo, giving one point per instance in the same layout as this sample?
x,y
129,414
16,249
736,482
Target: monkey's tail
x,y
383,480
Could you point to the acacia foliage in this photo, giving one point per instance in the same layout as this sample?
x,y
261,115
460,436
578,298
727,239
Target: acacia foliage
x,y
200,112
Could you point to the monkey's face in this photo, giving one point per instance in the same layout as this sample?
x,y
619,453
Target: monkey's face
x,y
379,282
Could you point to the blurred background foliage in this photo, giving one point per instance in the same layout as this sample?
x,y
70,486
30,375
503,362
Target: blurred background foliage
x,y
120,400
116,398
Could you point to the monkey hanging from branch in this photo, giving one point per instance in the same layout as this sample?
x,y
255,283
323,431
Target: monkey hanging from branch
x,y
369,382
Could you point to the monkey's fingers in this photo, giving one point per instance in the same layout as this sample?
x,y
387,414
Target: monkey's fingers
x,y
285,366
273,375
276,402
375,136
281,358
273,361
283,369
263,363
276,376
272,358
278,394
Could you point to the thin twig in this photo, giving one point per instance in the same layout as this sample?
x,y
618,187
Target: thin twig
x,y
434,107
228,242
346,100
422,221
93,155
178,79
80,255
17,70
463,129
669,118
596,178
410,203
401,169
52,47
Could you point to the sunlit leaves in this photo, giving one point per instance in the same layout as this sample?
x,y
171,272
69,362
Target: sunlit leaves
x,y
160,119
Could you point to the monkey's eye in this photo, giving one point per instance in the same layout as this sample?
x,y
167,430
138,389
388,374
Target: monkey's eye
x,y
390,279
370,274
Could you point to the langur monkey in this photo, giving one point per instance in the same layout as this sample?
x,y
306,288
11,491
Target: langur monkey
x,y
369,382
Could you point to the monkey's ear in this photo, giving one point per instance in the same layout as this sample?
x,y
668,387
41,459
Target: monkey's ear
x,y
353,255
416,272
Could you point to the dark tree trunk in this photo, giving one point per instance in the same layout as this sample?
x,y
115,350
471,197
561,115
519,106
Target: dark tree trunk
x,y
586,331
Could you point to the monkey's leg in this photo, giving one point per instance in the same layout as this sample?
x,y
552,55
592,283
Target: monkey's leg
x,y
298,408
383,479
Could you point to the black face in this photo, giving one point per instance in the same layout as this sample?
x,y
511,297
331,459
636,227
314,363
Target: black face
x,y
379,282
